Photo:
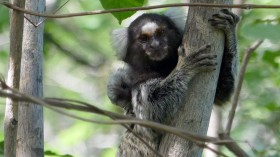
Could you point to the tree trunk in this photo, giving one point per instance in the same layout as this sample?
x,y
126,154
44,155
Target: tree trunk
x,y
30,127
11,112
195,115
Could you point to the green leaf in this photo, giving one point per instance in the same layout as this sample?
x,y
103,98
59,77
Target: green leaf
x,y
270,57
4,54
51,153
273,107
1,147
114,4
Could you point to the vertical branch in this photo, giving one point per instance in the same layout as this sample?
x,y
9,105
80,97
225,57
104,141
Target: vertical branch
x,y
11,112
236,93
195,115
30,126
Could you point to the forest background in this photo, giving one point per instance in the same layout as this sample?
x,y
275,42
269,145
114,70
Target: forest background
x,y
78,59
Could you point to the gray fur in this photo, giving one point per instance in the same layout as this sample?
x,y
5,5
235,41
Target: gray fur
x,y
116,83
119,42
159,99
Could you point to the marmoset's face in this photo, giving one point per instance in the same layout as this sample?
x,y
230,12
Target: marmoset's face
x,y
153,40
153,37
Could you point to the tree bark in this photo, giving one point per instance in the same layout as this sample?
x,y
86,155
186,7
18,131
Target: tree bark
x,y
11,112
195,115
30,136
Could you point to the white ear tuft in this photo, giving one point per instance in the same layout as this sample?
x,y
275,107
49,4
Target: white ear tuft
x,y
119,41
179,16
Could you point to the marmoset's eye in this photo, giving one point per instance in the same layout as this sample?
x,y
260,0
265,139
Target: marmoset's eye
x,y
160,32
144,37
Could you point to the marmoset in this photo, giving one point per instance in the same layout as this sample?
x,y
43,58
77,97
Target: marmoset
x,y
154,81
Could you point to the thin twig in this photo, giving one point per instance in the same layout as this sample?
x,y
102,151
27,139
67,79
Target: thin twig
x,y
81,106
95,121
201,144
233,147
125,119
215,151
178,132
242,6
44,19
35,100
23,97
239,84
197,139
53,13
110,114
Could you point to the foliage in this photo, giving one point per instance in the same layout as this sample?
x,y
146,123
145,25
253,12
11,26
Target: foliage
x,y
50,154
258,117
112,4
1,148
87,38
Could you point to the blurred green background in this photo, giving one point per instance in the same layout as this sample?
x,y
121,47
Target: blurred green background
x,y
78,59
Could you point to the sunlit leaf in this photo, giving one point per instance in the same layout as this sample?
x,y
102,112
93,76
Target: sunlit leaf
x,y
53,154
113,4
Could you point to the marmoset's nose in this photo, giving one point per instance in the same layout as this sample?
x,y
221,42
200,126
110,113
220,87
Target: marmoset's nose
x,y
154,44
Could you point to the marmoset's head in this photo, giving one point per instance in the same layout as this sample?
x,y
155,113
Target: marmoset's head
x,y
151,41
153,37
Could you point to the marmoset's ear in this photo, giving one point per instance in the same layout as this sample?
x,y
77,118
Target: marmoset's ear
x,y
119,41
178,16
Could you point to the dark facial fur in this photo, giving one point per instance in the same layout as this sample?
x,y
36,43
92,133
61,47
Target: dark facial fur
x,y
153,41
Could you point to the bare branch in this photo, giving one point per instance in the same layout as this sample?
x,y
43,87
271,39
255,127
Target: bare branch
x,y
215,151
241,6
51,103
239,84
102,122
15,95
233,147
122,119
15,56
38,24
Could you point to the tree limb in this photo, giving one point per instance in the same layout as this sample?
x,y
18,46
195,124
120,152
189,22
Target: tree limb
x,y
242,6
55,103
195,114
30,117
239,84
11,112
233,147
